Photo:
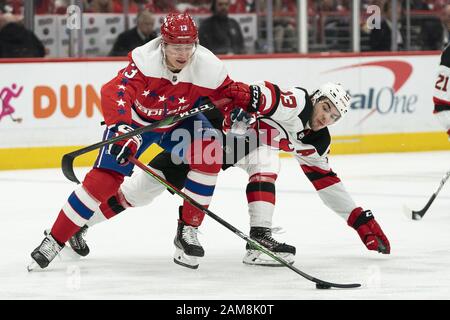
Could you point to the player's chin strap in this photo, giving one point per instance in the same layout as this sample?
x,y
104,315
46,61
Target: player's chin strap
x,y
67,160
319,283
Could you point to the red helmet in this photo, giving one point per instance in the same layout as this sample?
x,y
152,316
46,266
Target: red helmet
x,y
179,29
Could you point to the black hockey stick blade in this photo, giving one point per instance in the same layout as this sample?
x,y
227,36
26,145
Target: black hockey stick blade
x,y
67,160
418,215
320,284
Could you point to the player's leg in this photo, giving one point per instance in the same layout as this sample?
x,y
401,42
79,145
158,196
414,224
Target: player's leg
x,y
138,190
98,185
200,146
263,166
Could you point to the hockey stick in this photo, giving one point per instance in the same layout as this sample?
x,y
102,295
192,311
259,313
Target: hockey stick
x,y
67,160
418,215
320,284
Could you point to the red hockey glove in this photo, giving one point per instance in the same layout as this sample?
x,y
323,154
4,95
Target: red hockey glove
x,y
122,149
244,96
237,121
369,230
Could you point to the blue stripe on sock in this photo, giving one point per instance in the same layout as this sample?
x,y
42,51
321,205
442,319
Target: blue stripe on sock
x,y
80,207
199,188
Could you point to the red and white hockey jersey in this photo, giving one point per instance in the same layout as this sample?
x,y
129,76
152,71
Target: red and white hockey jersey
x,y
441,95
284,125
146,90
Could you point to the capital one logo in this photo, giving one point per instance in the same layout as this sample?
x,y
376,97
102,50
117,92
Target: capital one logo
x,y
6,95
384,100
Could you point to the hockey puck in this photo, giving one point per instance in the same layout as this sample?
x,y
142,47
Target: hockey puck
x,y
322,286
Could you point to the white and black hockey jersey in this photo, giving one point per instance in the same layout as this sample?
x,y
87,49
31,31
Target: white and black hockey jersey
x,y
441,95
284,125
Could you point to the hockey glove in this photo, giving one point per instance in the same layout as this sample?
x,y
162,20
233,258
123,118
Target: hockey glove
x,y
244,96
237,122
369,230
122,149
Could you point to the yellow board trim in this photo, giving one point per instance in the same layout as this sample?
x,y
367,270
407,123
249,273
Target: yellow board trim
x,y
50,157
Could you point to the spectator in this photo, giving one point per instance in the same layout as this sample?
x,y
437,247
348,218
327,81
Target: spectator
x,y
136,37
105,6
18,42
11,6
419,5
435,32
242,6
284,26
284,34
380,39
194,6
161,6
44,6
343,5
220,33
133,6
328,6
61,6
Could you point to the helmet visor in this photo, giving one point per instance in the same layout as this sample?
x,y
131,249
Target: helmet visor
x,y
179,49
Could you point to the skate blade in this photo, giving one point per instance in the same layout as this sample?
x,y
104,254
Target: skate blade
x,y
184,260
258,258
32,266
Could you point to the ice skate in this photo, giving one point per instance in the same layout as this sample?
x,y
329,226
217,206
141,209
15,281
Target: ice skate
x,y
188,248
44,253
78,243
67,253
264,237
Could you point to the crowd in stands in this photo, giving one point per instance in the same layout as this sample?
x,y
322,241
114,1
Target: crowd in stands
x,y
329,24
116,6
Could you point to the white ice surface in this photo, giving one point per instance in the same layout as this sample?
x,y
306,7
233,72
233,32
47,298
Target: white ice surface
x,y
131,255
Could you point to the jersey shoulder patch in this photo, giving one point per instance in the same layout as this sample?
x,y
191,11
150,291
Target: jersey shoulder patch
x,y
320,140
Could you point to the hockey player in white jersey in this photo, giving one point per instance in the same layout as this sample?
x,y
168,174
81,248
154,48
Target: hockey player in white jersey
x,y
295,122
289,120
441,95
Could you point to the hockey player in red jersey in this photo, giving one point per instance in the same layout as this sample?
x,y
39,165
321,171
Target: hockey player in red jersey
x,y
293,121
441,96
288,120
166,76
